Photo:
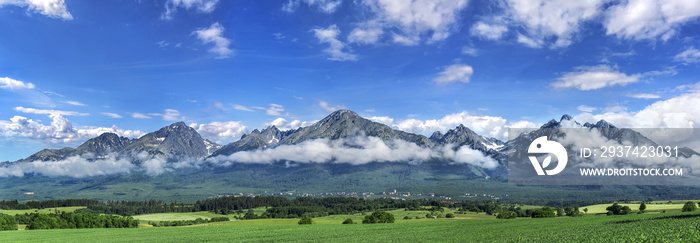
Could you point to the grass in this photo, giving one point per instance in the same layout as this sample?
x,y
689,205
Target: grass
x,y
678,227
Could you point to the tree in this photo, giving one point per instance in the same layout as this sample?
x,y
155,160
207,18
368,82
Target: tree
x,y
544,212
572,211
306,220
642,207
348,221
585,210
689,207
560,212
616,209
506,215
378,217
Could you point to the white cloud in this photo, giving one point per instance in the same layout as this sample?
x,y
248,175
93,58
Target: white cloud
x,y
75,103
594,77
51,8
346,150
139,115
241,108
678,112
326,6
471,51
382,119
586,108
558,21
645,96
220,106
522,39
284,125
405,40
433,19
649,19
214,35
454,73
690,55
335,50
369,35
221,132
74,166
328,108
59,131
112,115
49,112
489,31
273,110
8,83
168,115
204,6
489,126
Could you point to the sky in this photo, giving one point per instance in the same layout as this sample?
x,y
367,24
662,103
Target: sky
x,y
71,70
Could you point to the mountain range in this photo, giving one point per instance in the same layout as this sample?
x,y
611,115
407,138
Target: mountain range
x,y
181,142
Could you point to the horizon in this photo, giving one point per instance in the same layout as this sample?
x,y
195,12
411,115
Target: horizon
x,y
76,69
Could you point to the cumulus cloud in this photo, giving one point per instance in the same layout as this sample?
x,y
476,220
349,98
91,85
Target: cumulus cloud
x,y
60,130
168,115
272,110
112,115
284,125
649,19
414,20
49,112
215,35
454,73
8,83
556,21
368,35
221,132
371,149
52,8
203,6
690,55
382,119
326,6
678,112
335,50
329,108
594,77
489,31
489,126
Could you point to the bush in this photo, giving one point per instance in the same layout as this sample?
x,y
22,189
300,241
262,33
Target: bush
x,y
544,212
507,215
379,217
689,207
306,220
348,221
406,217
450,216
616,209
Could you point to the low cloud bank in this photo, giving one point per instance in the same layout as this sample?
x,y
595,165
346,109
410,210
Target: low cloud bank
x,y
356,151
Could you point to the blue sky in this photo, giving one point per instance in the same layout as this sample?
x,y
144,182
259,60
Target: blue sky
x,y
70,70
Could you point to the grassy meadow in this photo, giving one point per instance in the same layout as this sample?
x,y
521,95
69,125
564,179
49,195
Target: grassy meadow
x,y
669,227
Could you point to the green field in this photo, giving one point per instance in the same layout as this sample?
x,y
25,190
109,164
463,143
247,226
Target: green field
x,y
651,207
45,210
669,227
